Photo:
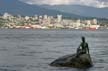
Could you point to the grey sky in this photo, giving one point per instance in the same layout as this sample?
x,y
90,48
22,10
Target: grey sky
x,y
94,3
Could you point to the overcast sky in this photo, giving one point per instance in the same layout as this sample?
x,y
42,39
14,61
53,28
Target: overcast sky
x,y
93,3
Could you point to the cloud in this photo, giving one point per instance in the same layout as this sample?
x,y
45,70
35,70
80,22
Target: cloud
x,y
103,0
94,3
49,2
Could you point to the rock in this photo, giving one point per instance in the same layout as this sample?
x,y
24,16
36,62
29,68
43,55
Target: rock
x,y
82,61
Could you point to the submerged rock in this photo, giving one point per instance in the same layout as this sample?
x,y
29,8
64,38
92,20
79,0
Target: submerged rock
x,y
82,61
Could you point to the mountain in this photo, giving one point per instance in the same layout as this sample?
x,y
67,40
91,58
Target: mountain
x,y
18,7
81,10
75,11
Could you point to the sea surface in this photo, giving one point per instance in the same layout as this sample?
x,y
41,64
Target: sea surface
x,y
35,49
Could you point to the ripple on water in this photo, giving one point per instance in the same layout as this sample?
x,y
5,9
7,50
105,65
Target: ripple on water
x,y
3,49
7,67
31,53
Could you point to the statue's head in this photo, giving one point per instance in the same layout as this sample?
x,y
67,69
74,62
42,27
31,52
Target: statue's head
x,y
83,39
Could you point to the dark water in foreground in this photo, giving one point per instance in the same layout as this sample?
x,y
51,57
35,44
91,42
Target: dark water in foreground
x,y
33,50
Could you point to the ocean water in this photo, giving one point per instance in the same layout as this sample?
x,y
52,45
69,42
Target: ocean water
x,y
35,49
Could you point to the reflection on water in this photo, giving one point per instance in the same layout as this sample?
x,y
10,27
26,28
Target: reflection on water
x,y
33,50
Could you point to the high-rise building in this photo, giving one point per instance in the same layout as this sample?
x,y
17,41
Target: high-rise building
x,y
94,21
78,23
59,18
27,17
45,17
6,15
36,17
49,20
88,23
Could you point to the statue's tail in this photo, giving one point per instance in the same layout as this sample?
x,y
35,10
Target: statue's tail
x,y
90,59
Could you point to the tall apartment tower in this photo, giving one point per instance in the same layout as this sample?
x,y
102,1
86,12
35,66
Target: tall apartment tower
x,y
94,21
6,15
59,18
78,23
45,17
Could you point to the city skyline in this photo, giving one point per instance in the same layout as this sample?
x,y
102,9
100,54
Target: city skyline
x,y
47,22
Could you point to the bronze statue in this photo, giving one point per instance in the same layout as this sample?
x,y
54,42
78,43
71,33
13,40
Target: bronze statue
x,y
83,48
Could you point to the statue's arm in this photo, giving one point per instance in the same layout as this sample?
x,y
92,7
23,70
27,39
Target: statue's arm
x,y
80,46
87,48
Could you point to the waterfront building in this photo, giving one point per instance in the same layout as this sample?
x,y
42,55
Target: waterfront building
x,y
78,23
94,26
49,20
27,17
40,17
94,22
88,23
